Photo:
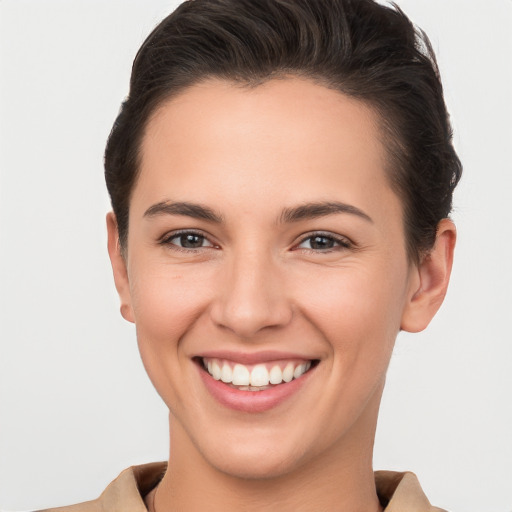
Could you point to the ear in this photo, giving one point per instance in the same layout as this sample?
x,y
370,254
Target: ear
x,y
429,280
119,268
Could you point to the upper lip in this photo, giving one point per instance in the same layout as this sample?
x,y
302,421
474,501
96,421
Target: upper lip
x,y
254,357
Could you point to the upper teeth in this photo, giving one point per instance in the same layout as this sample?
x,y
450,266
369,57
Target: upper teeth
x,y
258,375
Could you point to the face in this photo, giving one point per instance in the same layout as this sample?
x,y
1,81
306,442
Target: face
x,y
265,249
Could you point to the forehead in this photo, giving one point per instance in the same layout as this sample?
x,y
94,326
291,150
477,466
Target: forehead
x,y
289,135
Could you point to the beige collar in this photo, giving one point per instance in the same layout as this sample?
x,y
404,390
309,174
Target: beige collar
x,y
398,492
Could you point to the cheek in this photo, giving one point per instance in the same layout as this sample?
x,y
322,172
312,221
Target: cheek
x,y
164,298
357,309
167,304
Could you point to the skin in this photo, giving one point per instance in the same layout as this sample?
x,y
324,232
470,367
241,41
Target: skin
x,y
255,282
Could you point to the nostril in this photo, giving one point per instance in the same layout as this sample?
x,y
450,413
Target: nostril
x,y
248,318
251,298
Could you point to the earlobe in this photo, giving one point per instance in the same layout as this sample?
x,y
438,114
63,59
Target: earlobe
x,y
430,280
119,268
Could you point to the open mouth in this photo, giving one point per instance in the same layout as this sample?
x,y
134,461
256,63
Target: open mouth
x,y
257,377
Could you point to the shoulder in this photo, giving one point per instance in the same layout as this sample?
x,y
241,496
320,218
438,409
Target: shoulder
x,y
88,506
402,491
398,492
125,493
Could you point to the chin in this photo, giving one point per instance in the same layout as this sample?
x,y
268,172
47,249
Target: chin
x,y
258,454
256,466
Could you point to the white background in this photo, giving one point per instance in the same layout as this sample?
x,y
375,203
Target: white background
x,y
75,404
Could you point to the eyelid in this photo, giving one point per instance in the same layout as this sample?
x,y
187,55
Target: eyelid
x,y
342,241
170,235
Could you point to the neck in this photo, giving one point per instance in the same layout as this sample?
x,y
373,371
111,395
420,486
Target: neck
x,y
337,480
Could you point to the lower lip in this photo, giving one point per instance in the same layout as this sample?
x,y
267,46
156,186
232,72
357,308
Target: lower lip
x,y
252,401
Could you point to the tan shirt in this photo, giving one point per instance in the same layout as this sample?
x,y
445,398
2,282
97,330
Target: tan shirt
x,y
398,492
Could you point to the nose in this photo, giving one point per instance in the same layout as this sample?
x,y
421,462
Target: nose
x,y
252,297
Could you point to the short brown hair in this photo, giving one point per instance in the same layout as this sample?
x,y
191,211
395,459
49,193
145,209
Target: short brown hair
x,y
359,47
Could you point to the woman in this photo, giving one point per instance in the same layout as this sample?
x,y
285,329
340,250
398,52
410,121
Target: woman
x,y
281,177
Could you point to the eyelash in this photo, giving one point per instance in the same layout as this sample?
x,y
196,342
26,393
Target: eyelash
x,y
342,242
167,240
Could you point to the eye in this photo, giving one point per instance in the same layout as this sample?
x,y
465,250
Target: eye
x,y
188,240
322,242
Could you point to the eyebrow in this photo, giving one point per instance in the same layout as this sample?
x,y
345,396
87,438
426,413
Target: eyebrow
x,y
193,210
320,209
288,215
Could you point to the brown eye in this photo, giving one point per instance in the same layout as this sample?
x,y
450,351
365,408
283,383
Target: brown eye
x,y
187,240
322,242
191,241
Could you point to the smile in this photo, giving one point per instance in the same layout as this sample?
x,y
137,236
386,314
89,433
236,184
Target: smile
x,y
254,383
257,377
